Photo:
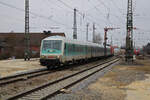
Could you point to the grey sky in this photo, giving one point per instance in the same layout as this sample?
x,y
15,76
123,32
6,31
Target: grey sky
x,y
53,13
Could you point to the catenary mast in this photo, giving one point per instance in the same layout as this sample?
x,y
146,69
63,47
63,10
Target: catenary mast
x,y
27,37
75,24
129,35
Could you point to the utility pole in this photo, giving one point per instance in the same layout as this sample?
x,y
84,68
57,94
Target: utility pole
x,y
27,37
75,25
129,35
105,39
111,41
87,31
94,32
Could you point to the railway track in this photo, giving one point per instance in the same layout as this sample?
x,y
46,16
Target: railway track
x,y
23,76
50,89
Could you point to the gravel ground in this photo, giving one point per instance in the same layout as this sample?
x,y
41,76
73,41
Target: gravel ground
x,y
10,67
123,82
18,87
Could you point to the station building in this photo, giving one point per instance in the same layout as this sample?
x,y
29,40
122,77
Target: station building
x,y
13,44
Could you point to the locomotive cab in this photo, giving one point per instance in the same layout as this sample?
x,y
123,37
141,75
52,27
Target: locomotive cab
x,y
51,51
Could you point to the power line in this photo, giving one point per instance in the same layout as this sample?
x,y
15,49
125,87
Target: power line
x,y
89,17
57,6
68,6
101,2
73,9
11,6
32,13
108,18
96,8
100,13
116,6
8,17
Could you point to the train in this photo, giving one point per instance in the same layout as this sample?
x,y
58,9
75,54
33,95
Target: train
x,y
136,52
58,50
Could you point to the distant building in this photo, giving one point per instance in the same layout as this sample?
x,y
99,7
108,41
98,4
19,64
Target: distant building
x,y
13,44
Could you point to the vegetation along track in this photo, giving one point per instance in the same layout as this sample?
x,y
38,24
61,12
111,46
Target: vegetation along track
x,y
52,88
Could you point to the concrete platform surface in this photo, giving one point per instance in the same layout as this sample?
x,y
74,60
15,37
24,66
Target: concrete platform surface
x,y
10,67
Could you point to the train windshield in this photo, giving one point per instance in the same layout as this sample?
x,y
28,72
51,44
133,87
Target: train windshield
x,y
52,44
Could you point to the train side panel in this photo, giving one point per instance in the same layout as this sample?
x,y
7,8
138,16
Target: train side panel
x,y
70,51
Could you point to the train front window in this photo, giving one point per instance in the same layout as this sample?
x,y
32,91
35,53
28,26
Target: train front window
x,y
52,44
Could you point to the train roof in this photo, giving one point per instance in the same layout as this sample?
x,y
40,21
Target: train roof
x,y
71,40
55,38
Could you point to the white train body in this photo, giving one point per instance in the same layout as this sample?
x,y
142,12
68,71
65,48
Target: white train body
x,y
57,50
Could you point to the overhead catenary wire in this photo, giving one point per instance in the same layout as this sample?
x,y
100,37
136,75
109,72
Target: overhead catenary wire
x,y
71,10
32,13
91,17
66,4
47,18
101,2
108,9
116,6
99,12
58,6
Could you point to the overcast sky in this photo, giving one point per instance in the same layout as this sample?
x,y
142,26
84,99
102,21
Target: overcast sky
x,y
46,14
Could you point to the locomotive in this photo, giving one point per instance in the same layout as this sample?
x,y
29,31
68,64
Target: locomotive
x,y
57,50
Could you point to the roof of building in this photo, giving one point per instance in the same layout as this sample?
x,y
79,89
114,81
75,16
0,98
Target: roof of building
x,y
32,33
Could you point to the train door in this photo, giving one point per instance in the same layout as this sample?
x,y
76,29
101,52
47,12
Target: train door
x,y
66,50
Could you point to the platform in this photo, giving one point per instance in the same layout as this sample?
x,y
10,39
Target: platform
x,y
10,67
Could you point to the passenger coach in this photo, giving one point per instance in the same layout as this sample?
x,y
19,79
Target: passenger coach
x,y
58,50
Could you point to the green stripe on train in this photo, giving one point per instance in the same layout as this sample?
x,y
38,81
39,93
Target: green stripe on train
x,y
51,51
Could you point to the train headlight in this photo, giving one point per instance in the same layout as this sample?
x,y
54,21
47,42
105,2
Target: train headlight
x,y
42,56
